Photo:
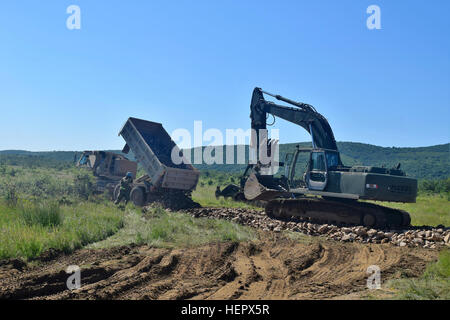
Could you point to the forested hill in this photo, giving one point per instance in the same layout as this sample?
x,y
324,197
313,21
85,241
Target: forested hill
x,y
423,162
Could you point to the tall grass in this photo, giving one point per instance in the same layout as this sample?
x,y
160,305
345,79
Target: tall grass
x,y
26,231
44,214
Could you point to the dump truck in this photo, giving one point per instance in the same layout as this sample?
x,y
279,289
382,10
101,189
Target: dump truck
x,y
153,149
107,167
329,191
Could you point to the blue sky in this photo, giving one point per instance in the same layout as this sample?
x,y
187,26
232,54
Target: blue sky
x,y
175,62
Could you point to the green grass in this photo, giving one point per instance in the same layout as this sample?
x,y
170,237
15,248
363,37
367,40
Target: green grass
x,y
44,214
434,283
430,210
171,229
26,231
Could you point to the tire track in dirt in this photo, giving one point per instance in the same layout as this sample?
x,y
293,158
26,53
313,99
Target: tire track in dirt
x,y
276,268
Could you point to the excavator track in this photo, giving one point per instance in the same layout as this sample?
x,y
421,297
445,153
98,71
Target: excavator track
x,y
338,212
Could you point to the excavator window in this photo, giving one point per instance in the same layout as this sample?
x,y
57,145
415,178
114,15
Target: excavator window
x,y
332,159
318,161
288,163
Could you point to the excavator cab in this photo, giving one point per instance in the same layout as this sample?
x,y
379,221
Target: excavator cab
x,y
317,174
319,163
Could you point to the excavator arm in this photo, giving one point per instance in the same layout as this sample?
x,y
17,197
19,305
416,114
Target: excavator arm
x,y
303,115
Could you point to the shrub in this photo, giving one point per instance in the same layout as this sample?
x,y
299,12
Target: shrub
x,y
10,194
435,186
84,185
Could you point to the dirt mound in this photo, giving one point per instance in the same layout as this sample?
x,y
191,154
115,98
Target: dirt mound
x,y
277,268
171,199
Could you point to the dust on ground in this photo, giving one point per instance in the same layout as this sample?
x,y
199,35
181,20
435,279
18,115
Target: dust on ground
x,y
274,268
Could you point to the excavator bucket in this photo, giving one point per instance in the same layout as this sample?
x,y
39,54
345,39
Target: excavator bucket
x,y
256,189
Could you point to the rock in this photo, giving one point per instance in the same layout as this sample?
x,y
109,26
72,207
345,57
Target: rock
x,y
380,235
372,232
389,235
347,237
447,239
334,229
425,237
436,236
361,231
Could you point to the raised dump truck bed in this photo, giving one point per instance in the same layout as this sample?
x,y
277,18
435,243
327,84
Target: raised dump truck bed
x,y
152,148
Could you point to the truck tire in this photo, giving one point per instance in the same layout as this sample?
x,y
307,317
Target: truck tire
x,y
116,192
137,196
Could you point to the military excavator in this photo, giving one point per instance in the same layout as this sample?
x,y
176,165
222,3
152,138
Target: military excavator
x,y
329,191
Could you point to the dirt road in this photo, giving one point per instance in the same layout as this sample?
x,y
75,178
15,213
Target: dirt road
x,y
276,268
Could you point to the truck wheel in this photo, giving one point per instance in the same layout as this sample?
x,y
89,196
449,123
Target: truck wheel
x,y
116,192
137,196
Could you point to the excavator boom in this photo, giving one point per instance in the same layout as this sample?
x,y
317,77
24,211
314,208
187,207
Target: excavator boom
x,y
303,115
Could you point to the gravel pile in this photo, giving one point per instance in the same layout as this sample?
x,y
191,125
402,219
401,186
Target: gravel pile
x,y
425,237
